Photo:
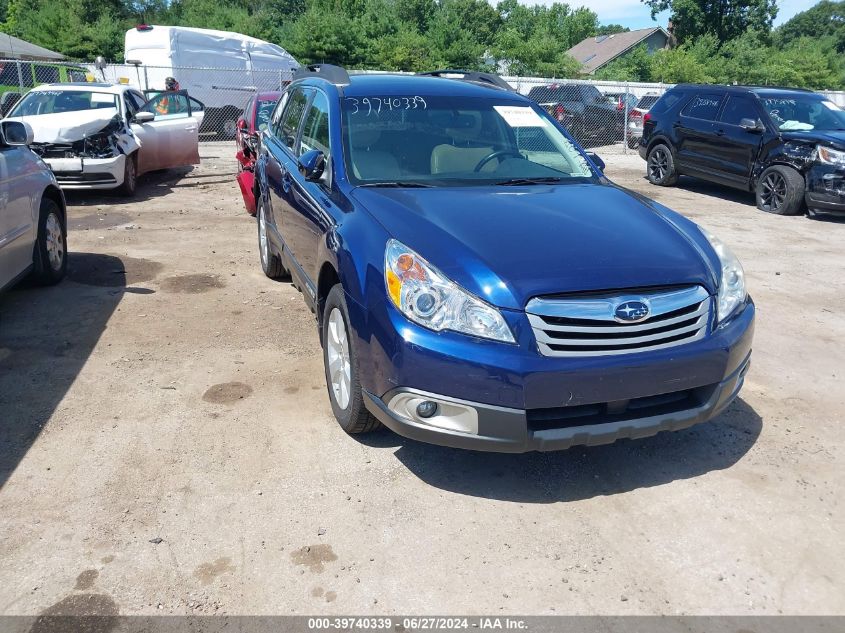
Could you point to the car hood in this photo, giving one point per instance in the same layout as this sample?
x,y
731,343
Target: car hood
x,y
834,138
68,127
516,243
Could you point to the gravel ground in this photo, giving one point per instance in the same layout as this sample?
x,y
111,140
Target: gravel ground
x,y
167,445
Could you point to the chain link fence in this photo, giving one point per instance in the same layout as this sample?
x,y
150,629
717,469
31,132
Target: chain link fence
x,y
599,114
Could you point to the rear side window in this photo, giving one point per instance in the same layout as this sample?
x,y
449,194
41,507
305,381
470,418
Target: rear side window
x,y
664,103
591,94
738,108
704,105
289,123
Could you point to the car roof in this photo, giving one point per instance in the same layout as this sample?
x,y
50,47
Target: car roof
x,y
267,95
760,90
84,86
375,85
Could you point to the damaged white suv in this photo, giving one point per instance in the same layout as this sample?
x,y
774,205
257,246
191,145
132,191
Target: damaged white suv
x,y
103,136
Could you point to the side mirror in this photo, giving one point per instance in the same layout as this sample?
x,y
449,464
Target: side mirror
x,y
750,125
311,164
596,160
16,133
144,117
242,125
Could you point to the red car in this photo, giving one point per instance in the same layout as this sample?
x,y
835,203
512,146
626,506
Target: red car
x,y
255,117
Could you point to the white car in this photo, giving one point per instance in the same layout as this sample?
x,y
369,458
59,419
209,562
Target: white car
x,y
103,136
32,212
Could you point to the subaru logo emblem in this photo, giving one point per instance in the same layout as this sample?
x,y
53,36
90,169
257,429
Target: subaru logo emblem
x,y
631,311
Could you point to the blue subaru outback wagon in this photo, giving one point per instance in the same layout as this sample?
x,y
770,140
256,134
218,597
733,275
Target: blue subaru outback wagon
x,y
477,281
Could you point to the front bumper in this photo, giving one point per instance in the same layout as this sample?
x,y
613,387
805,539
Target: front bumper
x,y
506,430
88,173
520,396
825,189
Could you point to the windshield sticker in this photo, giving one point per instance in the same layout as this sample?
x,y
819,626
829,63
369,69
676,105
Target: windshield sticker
x,y
375,105
101,97
520,116
831,106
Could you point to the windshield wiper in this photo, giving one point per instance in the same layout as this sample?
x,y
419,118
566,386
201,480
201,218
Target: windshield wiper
x,y
397,183
529,181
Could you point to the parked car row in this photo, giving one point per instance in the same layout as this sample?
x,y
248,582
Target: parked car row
x,y
476,279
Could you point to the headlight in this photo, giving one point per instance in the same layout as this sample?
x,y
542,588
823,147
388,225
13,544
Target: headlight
x,y
732,290
424,295
830,156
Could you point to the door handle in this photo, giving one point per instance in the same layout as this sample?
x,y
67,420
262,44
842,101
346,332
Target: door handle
x,y
720,132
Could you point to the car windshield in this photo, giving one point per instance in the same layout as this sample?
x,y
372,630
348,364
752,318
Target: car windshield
x,y
446,141
56,101
263,112
804,112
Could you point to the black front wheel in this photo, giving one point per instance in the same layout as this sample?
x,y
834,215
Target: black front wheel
x,y
49,255
660,166
780,190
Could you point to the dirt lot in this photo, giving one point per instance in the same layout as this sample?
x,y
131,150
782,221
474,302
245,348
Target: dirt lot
x,y
168,446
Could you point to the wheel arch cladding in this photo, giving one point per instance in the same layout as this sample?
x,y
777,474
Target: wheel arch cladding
x,y
53,193
326,280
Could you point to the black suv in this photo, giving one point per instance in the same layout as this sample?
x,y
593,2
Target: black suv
x,y
786,145
582,110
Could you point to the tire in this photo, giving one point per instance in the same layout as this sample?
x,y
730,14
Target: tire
x,y
130,177
271,263
49,255
660,166
780,190
341,365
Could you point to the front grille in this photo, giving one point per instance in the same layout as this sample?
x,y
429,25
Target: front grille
x,y
586,326
619,411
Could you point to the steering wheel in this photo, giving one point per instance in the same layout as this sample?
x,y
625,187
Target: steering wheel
x,y
497,154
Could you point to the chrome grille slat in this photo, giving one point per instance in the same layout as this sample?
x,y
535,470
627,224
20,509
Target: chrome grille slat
x,y
538,323
653,333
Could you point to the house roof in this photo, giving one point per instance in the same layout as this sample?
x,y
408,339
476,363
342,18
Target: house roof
x,y
15,48
594,52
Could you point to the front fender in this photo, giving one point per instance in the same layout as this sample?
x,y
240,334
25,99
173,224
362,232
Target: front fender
x,y
799,155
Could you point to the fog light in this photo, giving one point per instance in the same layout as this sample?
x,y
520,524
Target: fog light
x,y
426,409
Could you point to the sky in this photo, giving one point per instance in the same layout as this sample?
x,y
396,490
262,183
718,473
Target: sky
x,y
635,15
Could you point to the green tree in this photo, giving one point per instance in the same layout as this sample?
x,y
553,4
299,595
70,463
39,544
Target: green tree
x,y
726,19
611,29
633,66
826,19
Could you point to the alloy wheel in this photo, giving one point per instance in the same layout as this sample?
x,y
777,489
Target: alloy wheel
x,y
773,191
55,242
658,165
337,354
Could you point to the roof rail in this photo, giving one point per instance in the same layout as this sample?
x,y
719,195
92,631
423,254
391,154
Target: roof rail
x,y
487,79
333,74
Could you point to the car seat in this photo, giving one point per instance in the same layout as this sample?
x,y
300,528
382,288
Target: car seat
x,y
466,149
368,162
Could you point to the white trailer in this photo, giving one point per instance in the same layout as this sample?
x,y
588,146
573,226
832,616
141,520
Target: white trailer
x,y
242,66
